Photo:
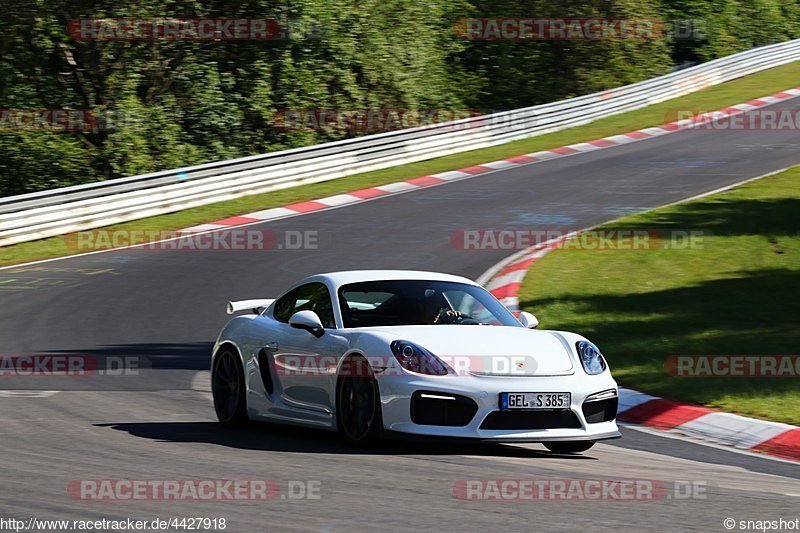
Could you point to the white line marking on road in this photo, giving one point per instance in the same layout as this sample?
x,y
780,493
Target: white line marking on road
x,y
677,436
27,393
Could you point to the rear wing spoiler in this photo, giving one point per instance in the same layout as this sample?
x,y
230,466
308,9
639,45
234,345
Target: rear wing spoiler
x,y
256,306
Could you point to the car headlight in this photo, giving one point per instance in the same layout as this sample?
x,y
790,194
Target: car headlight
x,y
592,360
417,359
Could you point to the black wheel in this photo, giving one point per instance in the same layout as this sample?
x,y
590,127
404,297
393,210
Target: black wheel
x,y
577,446
228,389
358,410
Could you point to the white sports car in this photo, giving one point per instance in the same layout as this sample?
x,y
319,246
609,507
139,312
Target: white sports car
x,y
374,351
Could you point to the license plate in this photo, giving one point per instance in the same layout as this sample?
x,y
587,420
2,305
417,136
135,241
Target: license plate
x,y
535,400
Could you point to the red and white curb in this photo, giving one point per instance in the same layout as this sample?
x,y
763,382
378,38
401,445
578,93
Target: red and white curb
x,y
779,440
773,438
468,172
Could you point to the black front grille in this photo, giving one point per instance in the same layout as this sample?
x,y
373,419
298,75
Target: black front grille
x,y
441,412
531,420
600,411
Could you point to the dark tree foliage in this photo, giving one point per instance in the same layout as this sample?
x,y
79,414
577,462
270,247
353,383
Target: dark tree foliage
x,y
164,104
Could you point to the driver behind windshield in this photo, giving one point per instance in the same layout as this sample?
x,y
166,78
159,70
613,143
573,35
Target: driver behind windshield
x,y
413,302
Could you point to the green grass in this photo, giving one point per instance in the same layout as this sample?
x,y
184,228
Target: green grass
x,y
736,293
762,84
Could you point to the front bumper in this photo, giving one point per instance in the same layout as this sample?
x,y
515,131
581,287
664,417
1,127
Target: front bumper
x,y
396,398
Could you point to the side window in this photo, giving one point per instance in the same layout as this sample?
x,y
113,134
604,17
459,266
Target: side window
x,y
312,297
284,307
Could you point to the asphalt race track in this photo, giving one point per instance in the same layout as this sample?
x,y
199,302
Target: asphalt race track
x,y
165,308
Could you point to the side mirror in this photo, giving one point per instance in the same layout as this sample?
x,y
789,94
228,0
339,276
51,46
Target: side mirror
x,y
309,321
528,320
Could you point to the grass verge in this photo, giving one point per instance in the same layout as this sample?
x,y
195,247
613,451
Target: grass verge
x,y
734,293
724,95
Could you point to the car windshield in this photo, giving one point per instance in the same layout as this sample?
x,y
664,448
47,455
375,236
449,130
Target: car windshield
x,y
417,302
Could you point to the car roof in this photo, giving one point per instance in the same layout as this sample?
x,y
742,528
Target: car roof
x,y
338,279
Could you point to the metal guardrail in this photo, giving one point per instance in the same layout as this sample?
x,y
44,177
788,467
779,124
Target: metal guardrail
x,y
64,210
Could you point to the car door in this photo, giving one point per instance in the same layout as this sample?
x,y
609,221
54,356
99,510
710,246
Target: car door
x,y
304,365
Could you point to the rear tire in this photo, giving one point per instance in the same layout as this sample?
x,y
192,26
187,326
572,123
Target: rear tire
x,y
228,389
569,446
358,406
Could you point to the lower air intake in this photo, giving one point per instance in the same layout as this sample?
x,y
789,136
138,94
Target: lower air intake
x,y
441,409
600,411
531,420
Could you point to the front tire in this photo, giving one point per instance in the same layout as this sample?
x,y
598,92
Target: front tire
x,y
228,389
358,410
569,446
